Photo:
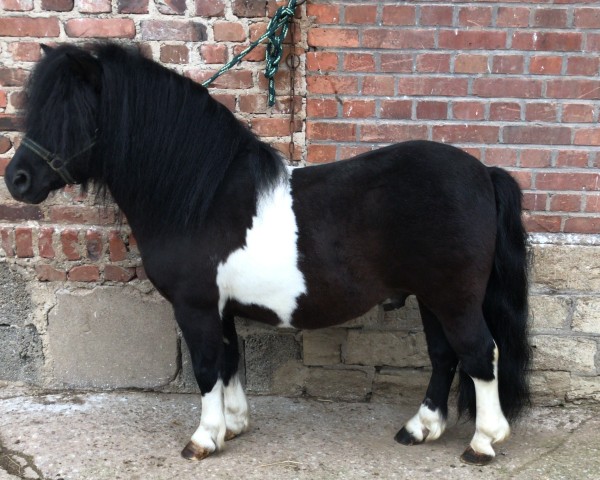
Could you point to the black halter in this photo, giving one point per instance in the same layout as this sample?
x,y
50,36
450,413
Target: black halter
x,y
54,160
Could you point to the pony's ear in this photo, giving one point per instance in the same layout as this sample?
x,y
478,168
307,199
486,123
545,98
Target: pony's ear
x,y
87,67
46,49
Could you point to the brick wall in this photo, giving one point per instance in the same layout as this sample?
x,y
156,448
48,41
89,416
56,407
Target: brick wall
x,y
514,83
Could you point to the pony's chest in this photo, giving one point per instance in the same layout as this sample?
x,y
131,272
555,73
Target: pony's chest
x,y
264,272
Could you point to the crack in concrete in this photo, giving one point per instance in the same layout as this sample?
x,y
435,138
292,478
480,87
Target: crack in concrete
x,y
9,462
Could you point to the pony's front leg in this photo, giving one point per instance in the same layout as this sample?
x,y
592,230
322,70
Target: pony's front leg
x,y
203,333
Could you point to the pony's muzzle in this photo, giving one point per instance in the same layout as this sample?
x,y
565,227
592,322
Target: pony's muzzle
x,y
21,182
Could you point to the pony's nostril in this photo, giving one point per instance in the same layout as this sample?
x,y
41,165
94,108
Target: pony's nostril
x,y
22,181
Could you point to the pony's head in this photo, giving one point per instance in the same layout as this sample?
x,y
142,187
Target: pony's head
x,y
60,124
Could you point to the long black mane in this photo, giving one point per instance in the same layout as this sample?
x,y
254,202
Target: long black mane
x,y
164,144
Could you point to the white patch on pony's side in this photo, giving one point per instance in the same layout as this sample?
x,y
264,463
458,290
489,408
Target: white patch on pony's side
x,y
236,407
210,435
265,271
491,425
426,425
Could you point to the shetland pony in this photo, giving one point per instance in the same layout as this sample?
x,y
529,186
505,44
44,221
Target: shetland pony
x,y
224,229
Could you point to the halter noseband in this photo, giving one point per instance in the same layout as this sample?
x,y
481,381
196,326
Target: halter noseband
x,y
54,160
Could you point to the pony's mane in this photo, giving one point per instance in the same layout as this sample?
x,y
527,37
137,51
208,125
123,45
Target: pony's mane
x,y
165,145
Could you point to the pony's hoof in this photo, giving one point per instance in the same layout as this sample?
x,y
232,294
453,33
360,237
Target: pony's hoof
x,y
229,435
471,457
405,437
194,452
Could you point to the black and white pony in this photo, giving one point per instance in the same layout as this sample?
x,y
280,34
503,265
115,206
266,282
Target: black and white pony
x,y
225,229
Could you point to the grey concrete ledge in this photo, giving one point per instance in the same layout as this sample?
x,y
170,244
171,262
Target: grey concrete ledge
x,y
564,239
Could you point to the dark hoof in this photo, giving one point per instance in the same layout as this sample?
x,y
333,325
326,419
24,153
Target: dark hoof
x,y
229,435
471,457
194,452
406,438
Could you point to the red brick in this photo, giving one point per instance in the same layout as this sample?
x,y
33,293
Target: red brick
x,y
565,203
396,15
468,110
332,84
174,54
360,13
508,64
214,53
379,85
583,65
324,14
466,133
84,273
358,108
333,37
25,51
505,111
271,127
546,65
253,103
321,61
115,273
587,17
549,18
548,41
543,112
593,42
225,99
140,273
229,32
535,158
573,88
47,273
513,17
433,62
248,8
93,244
172,30
69,240
82,215
436,15
390,132
472,39
592,203
133,6
582,225
359,62
507,87
396,63
256,55
45,242
210,8
29,27
466,63
321,108
17,5
24,242
587,136
568,181
12,77
100,28
116,247
20,212
321,153
7,236
535,201
542,223
572,158
523,178
444,86
500,157
331,131
232,79
94,6
347,152
3,100
387,38
396,109
539,135
432,110
475,17
10,122
578,113
5,144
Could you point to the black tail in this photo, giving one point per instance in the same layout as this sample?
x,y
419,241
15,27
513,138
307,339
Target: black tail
x,y
505,303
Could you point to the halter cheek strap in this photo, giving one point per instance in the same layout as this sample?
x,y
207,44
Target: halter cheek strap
x,y
54,161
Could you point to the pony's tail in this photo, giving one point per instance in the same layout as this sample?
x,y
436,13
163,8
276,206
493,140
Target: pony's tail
x,y
505,304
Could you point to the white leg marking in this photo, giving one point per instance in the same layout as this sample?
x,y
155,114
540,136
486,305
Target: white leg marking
x,y
426,425
236,407
265,271
491,425
210,435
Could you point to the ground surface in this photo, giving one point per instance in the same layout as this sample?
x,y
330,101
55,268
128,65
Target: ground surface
x,y
135,435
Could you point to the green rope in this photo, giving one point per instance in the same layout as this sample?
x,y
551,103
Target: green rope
x,y
280,21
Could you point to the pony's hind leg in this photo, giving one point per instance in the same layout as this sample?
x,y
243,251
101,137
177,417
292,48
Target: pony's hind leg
x,y
478,354
236,405
430,421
